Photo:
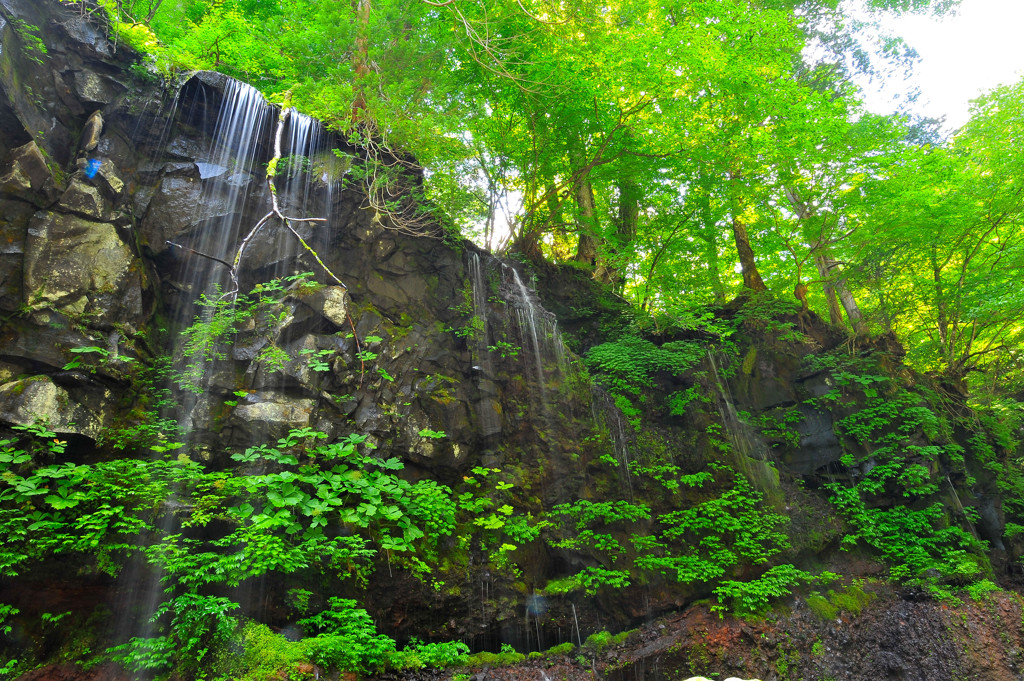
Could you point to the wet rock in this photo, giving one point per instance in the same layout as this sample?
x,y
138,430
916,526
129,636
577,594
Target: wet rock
x,y
171,211
39,399
818,445
368,414
209,171
94,88
82,31
14,219
92,131
275,411
85,200
29,177
186,148
79,266
333,302
110,180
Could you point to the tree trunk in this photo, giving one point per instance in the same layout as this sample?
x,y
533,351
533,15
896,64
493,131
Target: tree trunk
x,y
835,315
586,252
850,305
626,224
361,59
751,277
629,211
587,248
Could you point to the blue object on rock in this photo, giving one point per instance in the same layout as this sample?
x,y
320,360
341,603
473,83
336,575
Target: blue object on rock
x,y
92,167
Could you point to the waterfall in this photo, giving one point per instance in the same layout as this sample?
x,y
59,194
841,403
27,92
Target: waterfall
x,y
487,406
228,173
233,196
607,417
749,450
526,316
544,352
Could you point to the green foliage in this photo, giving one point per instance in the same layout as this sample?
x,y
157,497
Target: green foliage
x,y
507,656
763,312
504,349
919,545
851,599
260,654
753,596
822,607
223,316
198,624
417,655
982,589
34,48
730,526
561,649
346,639
258,521
900,432
600,641
628,366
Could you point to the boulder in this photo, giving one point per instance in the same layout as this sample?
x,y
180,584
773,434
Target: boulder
x,y
332,302
29,177
40,400
78,267
85,200
94,88
263,416
92,131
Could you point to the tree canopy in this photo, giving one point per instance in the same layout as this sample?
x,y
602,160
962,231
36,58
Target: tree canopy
x,y
683,152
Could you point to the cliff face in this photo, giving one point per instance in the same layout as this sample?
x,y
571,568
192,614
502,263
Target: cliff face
x,y
124,199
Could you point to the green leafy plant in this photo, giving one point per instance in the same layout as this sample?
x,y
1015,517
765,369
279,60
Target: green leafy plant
x,y
748,597
346,639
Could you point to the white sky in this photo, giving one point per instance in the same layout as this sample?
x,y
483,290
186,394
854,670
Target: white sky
x,y
979,47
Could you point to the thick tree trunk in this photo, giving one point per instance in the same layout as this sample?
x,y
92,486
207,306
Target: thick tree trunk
x,y
626,223
527,239
629,211
587,222
835,315
586,252
751,277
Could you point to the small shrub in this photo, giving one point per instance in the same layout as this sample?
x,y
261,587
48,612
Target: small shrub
x,y
621,637
981,590
598,641
418,655
562,648
260,654
348,639
507,656
852,599
821,607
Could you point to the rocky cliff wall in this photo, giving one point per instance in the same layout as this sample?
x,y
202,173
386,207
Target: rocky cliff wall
x,y
125,198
